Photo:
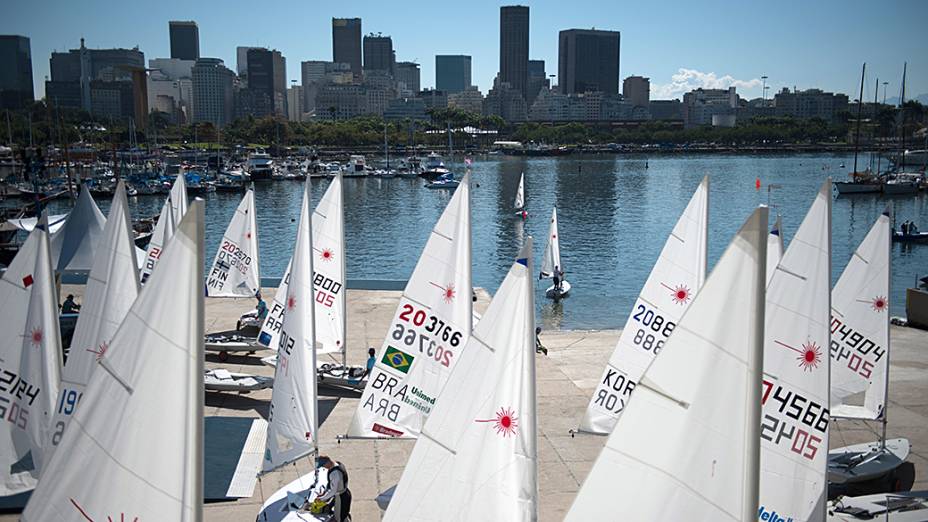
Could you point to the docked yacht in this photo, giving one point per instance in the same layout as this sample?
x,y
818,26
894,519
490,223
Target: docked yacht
x,y
260,166
434,168
356,167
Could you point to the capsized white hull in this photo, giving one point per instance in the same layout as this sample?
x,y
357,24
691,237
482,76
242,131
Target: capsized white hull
x,y
863,462
224,381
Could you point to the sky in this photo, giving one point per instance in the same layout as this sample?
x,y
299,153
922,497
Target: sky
x,y
678,44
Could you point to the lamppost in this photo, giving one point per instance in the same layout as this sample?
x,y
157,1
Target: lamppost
x,y
764,90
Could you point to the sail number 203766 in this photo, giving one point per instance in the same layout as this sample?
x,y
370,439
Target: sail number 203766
x,y
424,332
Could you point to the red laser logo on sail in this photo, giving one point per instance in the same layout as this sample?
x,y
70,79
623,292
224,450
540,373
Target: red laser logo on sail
x,y
122,516
680,293
505,422
291,302
326,255
447,292
100,352
36,336
810,355
879,304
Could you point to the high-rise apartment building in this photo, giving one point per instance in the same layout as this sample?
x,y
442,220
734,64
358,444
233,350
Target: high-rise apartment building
x,y
346,43
588,61
15,72
637,90
185,40
452,72
378,53
213,95
513,46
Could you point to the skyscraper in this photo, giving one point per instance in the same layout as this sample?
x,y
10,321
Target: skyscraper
x,y
452,72
588,61
513,46
378,53
637,90
212,92
346,43
407,77
15,72
185,40
267,82
537,78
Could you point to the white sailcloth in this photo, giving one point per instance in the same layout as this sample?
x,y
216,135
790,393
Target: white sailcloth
x,y
476,458
520,193
687,446
30,358
112,287
134,450
428,333
774,248
293,419
551,259
176,206
328,281
860,327
74,245
677,276
235,270
794,424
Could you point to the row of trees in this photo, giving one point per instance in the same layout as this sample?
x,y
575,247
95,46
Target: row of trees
x,y
41,125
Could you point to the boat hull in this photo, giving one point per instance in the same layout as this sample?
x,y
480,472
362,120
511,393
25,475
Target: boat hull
x,y
864,462
551,293
849,187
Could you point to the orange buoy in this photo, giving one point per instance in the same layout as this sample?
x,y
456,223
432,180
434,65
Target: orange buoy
x,y
757,183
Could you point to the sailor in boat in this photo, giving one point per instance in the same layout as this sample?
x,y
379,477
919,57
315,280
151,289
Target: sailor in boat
x,y
558,277
905,228
257,315
337,491
69,306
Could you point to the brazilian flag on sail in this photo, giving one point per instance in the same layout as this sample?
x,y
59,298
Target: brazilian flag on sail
x,y
397,360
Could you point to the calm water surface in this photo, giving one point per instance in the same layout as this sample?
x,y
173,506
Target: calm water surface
x,y
614,215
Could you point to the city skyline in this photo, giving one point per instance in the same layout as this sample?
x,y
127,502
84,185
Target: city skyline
x,y
669,43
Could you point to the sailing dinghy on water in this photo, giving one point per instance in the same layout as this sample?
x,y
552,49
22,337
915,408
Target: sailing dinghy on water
x,y
112,287
476,457
774,248
793,461
293,419
235,270
134,448
551,265
676,277
520,198
30,358
860,359
175,206
687,447
427,334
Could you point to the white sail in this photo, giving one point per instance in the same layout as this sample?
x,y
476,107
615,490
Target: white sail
x,y
134,450
551,259
476,458
520,193
235,270
428,332
677,276
774,248
176,206
328,281
30,358
794,424
112,287
860,327
74,245
687,446
292,422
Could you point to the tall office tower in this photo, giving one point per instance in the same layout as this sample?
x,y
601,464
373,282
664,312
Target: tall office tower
x,y
452,72
637,90
407,77
346,43
185,40
513,46
588,61
537,78
378,53
15,72
267,82
212,92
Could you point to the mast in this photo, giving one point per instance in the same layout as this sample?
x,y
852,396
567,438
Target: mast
x,y
860,102
755,365
902,108
341,208
386,151
889,292
876,93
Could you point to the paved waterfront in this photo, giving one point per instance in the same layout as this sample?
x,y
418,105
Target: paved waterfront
x,y
566,378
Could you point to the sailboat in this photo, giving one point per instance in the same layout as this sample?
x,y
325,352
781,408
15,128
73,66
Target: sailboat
x,y
293,419
74,245
774,248
687,447
235,270
519,204
30,357
794,425
476,457
175,206
112,287
428,332
134,449
677,276
551,262
860,353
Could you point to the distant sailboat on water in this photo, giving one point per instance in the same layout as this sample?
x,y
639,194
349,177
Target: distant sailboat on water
x,y
551,265
519,203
